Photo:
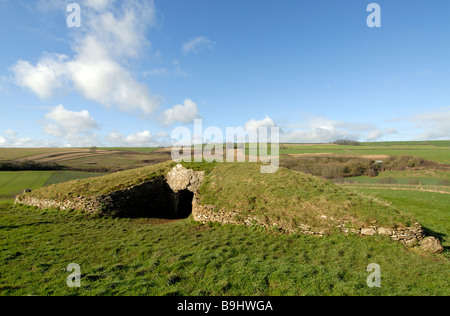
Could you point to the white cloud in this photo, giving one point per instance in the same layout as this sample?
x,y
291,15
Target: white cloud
x,y
380,133
435,124
112,34
325,130
65,122
43,78
255,125
97,4
197,44
98,77
11,140
315,135
322,130
74,128
121,30
182,113
140,139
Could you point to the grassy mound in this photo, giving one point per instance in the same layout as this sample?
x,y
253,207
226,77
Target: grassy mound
x,y
102,185
290,198
285,199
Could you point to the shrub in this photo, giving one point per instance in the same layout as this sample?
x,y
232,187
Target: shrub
x,y
402,163
28,165
347,142
371,173
330,167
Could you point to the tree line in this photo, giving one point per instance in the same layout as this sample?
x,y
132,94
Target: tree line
x,y
29,165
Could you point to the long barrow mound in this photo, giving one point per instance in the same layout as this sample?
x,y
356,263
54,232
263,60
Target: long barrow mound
x,y
236,193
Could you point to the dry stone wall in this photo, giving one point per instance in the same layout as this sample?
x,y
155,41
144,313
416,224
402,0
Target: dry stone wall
x,y
409,236
150,199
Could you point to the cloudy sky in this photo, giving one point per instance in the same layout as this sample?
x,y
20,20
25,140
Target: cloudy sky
x,y
136,70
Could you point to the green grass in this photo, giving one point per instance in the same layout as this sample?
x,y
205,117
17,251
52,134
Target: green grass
x,y
290,198
13,183
439,143
147,257
412,181
64,176
425,176
431,209
102,185
421,173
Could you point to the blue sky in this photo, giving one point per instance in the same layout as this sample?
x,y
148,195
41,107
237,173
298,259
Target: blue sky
x,y
135,70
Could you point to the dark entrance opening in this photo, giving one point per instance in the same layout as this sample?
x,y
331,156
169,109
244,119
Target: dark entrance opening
x,y
154,199
184,207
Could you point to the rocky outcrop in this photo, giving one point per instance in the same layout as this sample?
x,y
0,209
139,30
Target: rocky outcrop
x,y
431,244
181,178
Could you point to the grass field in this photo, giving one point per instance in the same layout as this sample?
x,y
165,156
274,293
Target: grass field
x,y
13,183
437,151
426,177
431,209
150,257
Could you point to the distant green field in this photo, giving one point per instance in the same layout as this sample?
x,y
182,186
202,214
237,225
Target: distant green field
x,y
426,177
439,143
438,151
14,182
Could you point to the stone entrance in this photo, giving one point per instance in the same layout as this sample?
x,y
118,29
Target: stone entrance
x,y
184,207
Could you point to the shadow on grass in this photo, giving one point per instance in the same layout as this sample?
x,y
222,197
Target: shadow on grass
x,y
429,232
24,225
